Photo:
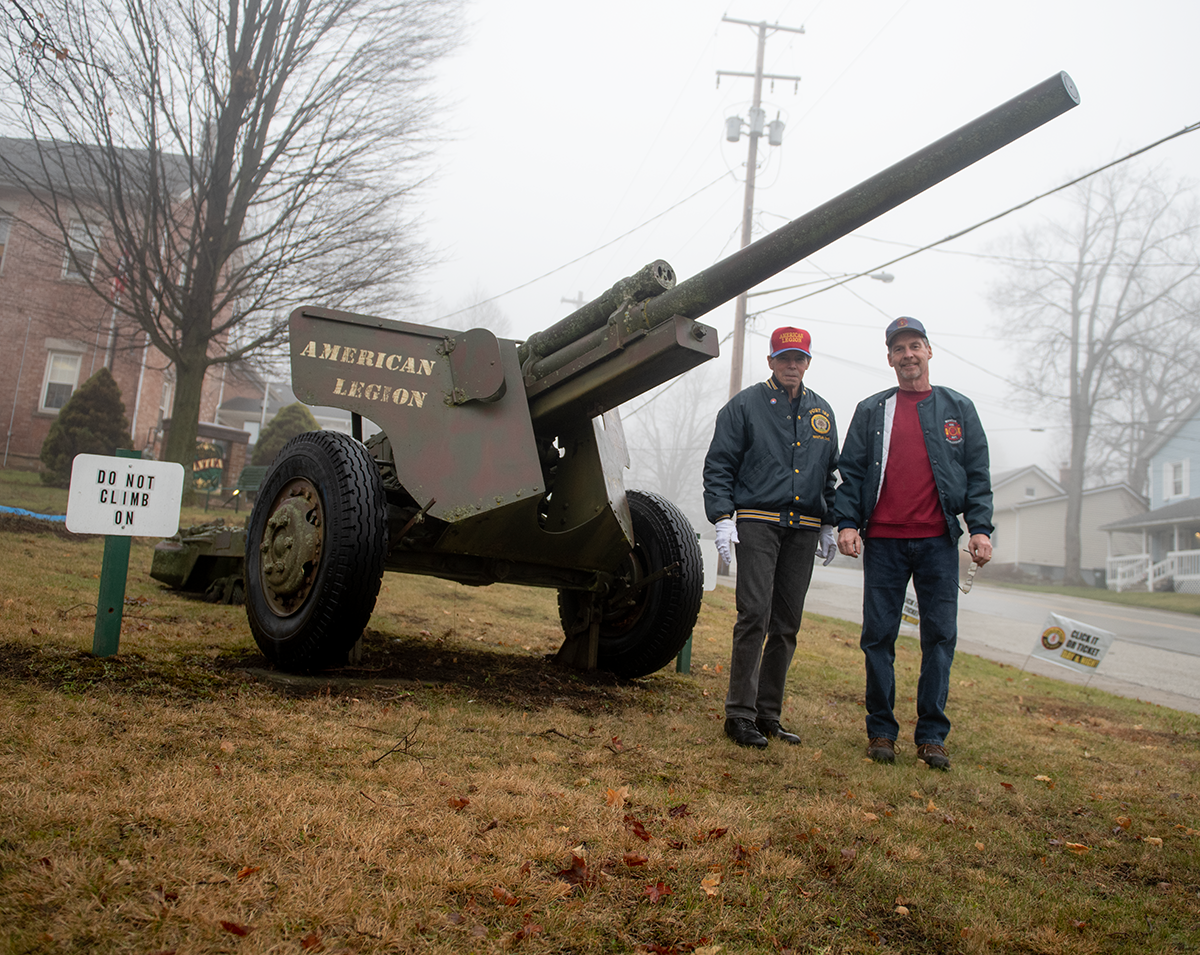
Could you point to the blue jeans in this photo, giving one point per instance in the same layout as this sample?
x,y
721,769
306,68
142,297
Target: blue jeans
x,y
888,564
774,567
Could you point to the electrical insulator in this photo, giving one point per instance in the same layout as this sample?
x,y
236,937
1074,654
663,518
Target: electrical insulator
x,y
775,132
733,128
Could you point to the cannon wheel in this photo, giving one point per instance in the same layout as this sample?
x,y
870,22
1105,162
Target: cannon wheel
x,y
315,549
642,629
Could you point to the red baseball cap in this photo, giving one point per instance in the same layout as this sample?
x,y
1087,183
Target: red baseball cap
x,y
790,339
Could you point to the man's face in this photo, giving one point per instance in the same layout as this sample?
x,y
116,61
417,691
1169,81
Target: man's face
x,y
789,368
909,355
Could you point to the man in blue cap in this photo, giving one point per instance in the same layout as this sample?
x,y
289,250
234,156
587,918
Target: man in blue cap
x,y
768,487
914,459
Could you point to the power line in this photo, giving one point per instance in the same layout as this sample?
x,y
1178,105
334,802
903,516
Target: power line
x,y
1000,215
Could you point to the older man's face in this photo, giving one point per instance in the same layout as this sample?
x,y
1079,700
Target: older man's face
x,y
789,368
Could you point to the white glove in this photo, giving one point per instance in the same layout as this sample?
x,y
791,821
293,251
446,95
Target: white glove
x,y
726,535
827,546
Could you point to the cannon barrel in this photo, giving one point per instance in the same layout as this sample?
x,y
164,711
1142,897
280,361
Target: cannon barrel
x,y
587,330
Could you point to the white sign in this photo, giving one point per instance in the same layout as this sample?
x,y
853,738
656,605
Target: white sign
x,y
124,496
1069,643
910,615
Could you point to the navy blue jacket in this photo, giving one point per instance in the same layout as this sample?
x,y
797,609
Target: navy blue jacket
x,y
958,454
769,464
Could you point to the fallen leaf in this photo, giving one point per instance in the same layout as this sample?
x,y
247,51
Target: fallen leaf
x,y
849,854
617,745
502,895
527,930
1077,847
235,929
1075,923
458,802
657,891
870,816
930,807
617,797
979,846
578,873
901,910
710,883
1124,822
1007,785
632,859
1153,840
247,871
310,942
227,746
678,812
634,825
489,827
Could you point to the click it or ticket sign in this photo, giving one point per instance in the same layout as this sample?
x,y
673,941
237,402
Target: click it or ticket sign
x,y
124,496
1072,644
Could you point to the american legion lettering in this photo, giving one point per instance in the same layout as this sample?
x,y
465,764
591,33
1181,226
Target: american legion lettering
x,y
406,365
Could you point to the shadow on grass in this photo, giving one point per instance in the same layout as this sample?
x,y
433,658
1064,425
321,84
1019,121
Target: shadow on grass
x,y
391,667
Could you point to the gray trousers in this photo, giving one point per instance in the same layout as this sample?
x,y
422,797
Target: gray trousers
x,y
774,567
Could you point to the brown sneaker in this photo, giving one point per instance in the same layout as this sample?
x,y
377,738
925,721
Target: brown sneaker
x,y
934,755
882,750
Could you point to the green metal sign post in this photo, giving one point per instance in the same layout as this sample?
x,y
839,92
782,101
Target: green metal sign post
x,y
113,573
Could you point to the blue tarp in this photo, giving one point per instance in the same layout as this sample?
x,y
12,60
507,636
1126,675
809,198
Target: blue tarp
x,y
24,513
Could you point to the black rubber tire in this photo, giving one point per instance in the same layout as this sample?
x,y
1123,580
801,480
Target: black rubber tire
x,y
334,600
639,638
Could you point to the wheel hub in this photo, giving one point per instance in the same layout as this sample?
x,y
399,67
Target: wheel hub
x,y
290,552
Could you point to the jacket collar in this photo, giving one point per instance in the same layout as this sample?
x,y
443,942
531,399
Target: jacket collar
x,y
774,385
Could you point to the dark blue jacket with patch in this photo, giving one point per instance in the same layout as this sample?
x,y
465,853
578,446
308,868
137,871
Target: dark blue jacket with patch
x,y
958,454
769,464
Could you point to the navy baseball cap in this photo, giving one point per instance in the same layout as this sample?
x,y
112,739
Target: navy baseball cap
x,y
903,324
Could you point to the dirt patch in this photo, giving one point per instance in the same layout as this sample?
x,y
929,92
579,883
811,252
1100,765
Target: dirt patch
x,y
21,524
389,667
392,665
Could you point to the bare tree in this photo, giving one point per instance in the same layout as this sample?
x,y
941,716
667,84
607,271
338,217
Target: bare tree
x,y
1105,298
241,156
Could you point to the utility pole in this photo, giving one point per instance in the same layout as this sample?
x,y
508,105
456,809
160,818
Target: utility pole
x,y
775,136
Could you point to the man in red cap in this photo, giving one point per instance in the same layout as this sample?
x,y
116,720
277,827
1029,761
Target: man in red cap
x,y
769,481
915,458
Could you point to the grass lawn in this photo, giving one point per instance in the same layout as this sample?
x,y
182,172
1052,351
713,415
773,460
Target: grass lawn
x,y
456,791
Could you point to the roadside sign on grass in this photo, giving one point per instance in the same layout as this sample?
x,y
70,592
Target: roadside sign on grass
x,y
124,496
119,497
1071,644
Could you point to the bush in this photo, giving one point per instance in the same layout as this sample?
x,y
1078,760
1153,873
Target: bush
x,y
91,422
293,420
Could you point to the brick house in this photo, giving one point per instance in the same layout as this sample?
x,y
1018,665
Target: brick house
x,y
57,332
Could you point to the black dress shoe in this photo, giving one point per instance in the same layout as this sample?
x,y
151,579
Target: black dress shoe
x,y
745,733
772,729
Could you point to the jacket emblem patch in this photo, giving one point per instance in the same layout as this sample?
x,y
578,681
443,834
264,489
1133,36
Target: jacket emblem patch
x,y
820,423
953,431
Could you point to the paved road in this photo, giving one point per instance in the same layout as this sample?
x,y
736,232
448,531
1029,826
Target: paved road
x,y
1155,656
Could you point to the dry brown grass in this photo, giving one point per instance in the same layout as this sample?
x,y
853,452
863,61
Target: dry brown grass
x,y
433,798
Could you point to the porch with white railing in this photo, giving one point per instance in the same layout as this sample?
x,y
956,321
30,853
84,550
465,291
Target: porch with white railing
x,y
1127,571
1181,568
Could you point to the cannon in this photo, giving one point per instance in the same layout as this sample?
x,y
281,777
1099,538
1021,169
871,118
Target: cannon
x,y
500,460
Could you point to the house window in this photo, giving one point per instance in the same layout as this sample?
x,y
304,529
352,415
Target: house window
x,y
79,258
1176,479
62,376
1031,492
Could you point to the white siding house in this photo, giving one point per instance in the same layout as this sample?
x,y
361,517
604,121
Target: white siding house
x,y
1167,556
